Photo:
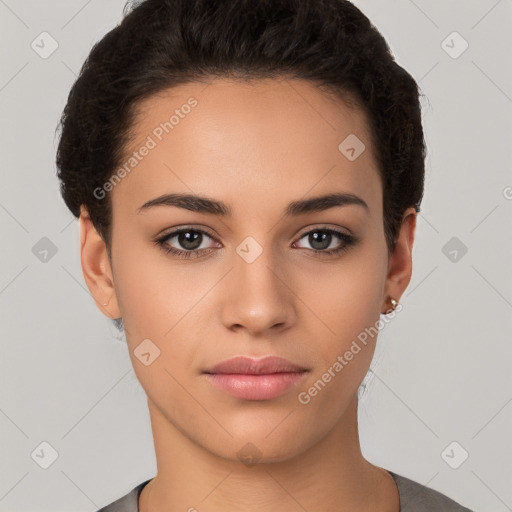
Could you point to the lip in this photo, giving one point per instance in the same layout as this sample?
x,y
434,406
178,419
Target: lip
x,y
249,366
255,379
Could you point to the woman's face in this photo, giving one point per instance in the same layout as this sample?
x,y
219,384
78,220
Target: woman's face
x,y
252,284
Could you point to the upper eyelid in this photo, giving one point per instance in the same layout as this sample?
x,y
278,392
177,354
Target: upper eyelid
x,y
323,227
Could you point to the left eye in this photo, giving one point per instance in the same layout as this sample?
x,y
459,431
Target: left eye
x,y
321,240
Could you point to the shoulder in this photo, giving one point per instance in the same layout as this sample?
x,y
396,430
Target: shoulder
x,y
127,503
415,497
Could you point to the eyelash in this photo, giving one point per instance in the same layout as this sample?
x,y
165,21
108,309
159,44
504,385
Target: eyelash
x,y
348,240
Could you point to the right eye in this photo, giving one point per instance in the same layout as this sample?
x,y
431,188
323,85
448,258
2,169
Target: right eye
x,y
190,239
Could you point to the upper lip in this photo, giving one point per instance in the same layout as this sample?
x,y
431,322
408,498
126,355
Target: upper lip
x,y
249,366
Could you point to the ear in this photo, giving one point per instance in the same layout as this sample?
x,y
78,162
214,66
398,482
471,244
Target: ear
x,y
96,267
400,260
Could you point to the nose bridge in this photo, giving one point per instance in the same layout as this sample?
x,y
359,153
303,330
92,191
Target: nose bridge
x,y
257,297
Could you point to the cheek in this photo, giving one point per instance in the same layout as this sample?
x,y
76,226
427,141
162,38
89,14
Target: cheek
x,y
150,290
348,315
347,302
345,297
158,300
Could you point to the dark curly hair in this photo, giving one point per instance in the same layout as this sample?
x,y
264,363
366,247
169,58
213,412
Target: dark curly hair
x,y
164,43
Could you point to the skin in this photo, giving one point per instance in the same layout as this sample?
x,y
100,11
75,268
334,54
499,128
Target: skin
x,y
256,147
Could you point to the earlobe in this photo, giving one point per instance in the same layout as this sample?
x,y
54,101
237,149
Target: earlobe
x,y
96,267
400,260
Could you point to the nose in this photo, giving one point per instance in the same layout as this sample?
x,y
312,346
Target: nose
x,y
257,296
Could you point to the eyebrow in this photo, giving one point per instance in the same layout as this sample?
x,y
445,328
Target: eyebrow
x,y
202,204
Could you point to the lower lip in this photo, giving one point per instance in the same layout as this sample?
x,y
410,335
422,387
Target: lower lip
x,y
255,387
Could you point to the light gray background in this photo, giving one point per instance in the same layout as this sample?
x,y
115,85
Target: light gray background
x,y
443,364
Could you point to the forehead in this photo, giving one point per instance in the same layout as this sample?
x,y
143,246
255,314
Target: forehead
x,y
246,141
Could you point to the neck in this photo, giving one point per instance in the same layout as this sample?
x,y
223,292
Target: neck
x,y
331,475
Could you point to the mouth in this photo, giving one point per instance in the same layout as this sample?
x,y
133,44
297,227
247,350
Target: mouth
x,y
255,379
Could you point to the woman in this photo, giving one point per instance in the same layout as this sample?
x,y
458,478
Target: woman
x,y
247,176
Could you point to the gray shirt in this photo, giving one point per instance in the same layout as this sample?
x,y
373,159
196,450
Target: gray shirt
x,y
414,497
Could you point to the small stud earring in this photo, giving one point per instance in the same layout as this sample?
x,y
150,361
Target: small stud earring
x,y
394,304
